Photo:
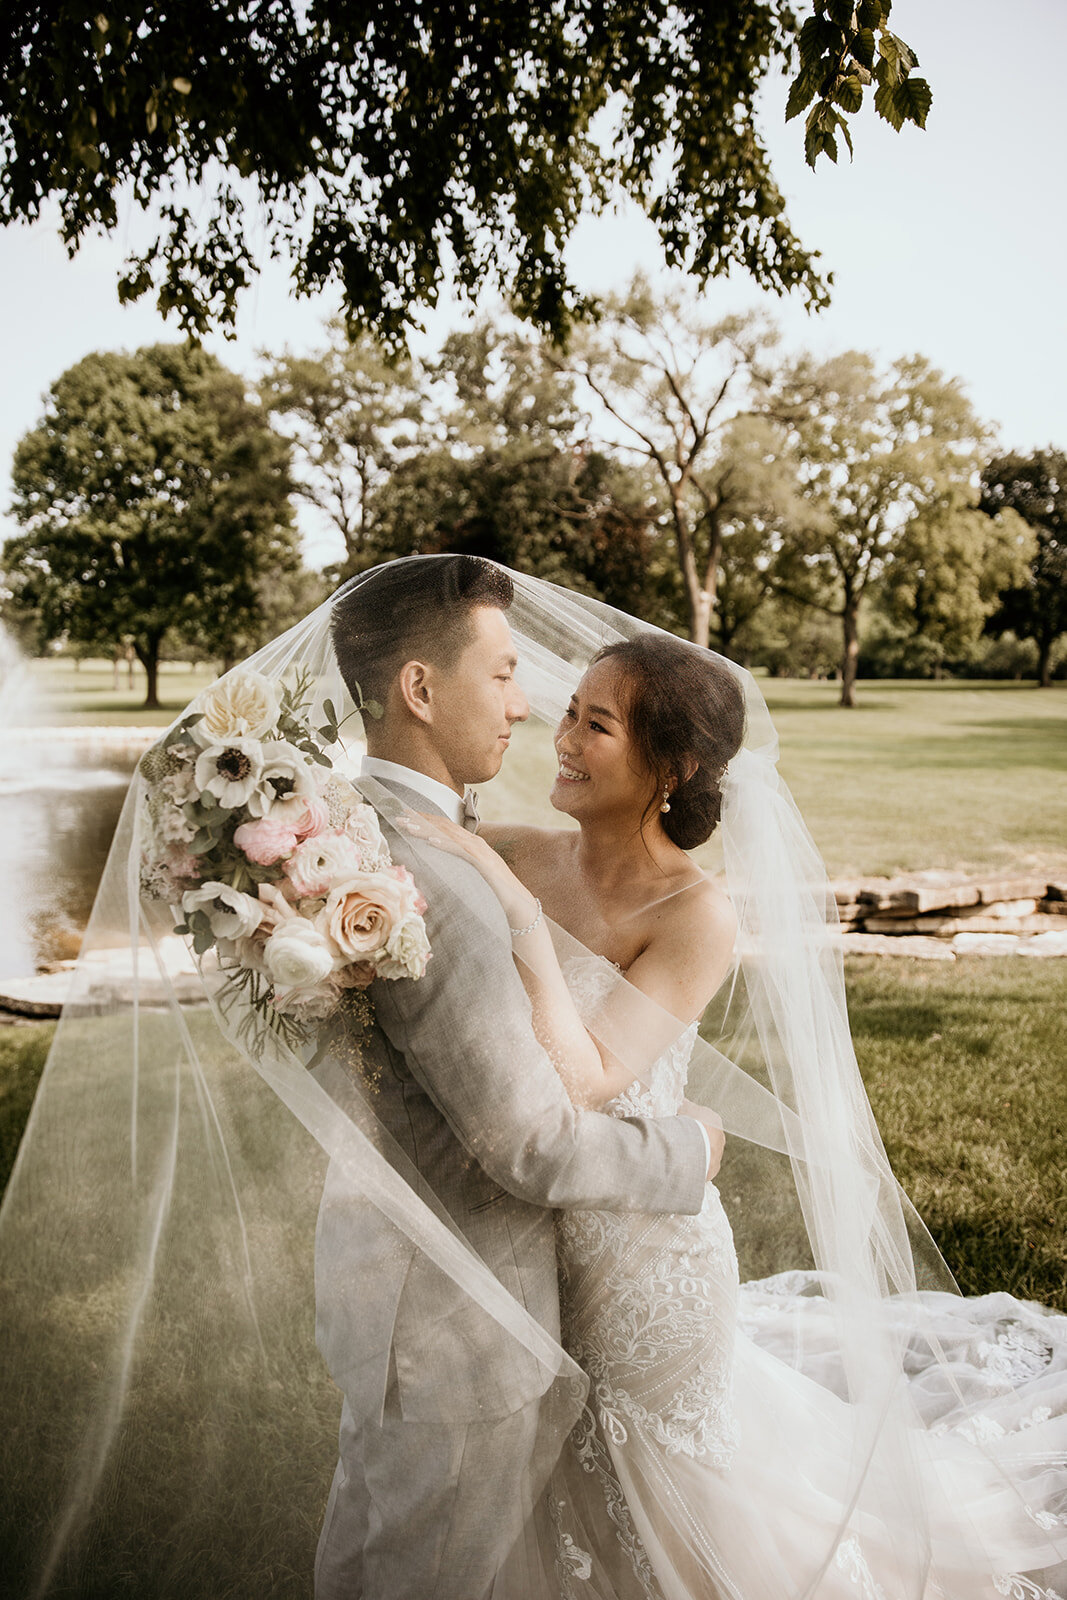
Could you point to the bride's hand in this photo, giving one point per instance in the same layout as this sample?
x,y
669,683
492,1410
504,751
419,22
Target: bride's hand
x,y
516,899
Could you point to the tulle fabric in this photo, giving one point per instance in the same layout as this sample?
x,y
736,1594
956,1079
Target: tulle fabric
x,y
170,1427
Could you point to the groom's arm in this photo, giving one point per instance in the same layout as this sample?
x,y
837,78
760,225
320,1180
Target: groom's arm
x,y
465,1031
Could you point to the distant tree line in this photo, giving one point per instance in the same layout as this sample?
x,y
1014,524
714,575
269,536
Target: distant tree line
x,y
824,518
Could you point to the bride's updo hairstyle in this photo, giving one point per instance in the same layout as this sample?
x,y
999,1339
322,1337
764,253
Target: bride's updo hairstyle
x,y
685,715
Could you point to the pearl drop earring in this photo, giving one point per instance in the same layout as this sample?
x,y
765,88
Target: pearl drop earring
x,y
666,806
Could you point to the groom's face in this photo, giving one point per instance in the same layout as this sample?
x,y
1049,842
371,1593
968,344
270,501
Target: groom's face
x,y
477,702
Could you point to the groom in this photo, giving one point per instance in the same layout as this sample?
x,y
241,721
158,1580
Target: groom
x,y
441,1405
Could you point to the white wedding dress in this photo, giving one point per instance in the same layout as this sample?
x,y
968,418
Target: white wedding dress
x,y
715,1454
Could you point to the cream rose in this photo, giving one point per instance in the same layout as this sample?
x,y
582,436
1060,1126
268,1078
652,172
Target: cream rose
x,y
361,826
407,952
298,954
243,704
362,913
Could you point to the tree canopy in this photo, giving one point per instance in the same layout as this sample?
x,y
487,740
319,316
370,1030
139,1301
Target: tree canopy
x,y
1035,605
384,148
154,498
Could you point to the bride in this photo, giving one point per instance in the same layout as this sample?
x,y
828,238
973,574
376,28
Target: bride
x,y
779,1397
712,1457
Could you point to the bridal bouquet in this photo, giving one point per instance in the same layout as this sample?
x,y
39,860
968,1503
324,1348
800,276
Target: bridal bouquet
x,y
275,861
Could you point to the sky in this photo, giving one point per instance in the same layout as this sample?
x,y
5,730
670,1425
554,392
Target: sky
x,y
950,242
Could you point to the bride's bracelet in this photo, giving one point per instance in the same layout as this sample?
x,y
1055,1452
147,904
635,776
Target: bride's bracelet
x,y
517,933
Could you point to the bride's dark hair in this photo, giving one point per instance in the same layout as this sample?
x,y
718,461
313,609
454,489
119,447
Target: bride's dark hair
x,y
686,716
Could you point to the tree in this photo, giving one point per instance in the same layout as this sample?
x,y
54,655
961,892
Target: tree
x,y
946,569
388,149
348,412
154,496
668,381
504,471
873,452
1035,607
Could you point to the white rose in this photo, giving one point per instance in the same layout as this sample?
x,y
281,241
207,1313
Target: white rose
x,y
407,952
232,915
298,955
308,1002
243,704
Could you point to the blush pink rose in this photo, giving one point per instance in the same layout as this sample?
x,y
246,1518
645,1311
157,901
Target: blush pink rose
x,y
362,911
265,840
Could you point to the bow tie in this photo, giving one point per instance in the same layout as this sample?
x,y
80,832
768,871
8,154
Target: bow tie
x,y
470,811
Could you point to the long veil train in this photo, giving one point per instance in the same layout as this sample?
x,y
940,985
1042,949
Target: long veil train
x,y
169,1427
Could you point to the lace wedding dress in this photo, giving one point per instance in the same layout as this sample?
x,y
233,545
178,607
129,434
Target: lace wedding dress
x,y
714,1456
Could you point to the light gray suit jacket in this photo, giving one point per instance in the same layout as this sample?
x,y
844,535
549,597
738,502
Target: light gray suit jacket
x,y
465,1090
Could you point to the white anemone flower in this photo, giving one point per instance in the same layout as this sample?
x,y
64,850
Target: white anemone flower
x,y
232,915
286,784
231,771
243,705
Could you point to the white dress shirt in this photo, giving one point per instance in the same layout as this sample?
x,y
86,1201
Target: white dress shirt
x,y
451,803
439,794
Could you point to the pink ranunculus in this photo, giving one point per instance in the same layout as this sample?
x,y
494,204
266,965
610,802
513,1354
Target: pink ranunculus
x,y
362,911
317,864
265,840
316,819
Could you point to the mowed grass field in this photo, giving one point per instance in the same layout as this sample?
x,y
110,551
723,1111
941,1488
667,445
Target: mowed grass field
x,y
71,692
966,1070
965,1062
917,775
970,775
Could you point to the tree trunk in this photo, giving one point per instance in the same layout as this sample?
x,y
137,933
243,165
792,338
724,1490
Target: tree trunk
x,y
700,618
850,660
148,656
1044,662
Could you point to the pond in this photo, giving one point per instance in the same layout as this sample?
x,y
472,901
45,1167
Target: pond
x,y
61,792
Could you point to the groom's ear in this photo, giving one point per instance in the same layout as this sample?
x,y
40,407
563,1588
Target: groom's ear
x,y
415,687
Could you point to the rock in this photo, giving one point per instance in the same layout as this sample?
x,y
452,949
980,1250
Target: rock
x,y
869,944
987,944
1053,908
946,927
866,891
1057,890
927,891
1021,888
1044,944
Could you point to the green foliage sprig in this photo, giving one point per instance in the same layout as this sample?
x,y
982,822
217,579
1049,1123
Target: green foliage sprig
x,y
844,49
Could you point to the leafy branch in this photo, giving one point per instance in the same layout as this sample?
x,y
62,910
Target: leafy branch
x,y
844,49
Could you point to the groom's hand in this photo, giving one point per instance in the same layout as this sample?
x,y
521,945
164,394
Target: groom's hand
x,y
712,1126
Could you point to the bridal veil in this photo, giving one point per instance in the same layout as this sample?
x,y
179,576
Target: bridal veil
x,y
169,1428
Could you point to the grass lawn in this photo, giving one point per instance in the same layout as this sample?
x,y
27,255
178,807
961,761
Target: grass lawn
x,y
85,692
918,775
928,774
963,1064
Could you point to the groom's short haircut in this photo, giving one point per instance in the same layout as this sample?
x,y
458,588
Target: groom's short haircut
x,y
418,608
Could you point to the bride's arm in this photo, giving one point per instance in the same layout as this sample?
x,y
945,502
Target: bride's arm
x,y
682,966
